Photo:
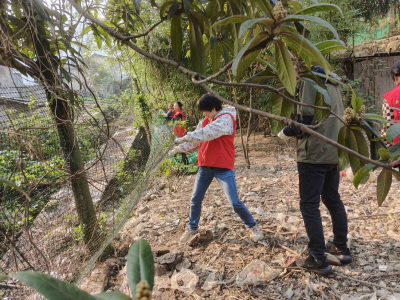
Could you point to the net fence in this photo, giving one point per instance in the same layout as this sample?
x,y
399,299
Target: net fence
x,y
120,162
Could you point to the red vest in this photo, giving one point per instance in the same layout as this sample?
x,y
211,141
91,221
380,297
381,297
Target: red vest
x,y
218,153
179,130
393,99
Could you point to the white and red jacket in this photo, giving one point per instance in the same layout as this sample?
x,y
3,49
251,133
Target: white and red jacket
x,y
214,139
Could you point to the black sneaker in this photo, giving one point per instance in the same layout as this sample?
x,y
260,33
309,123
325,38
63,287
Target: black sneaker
x,y
341,254
312,265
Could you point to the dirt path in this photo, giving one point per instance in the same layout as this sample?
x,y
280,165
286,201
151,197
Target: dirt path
x,y
270,190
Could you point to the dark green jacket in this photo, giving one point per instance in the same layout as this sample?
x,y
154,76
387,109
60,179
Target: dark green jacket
x,y
310,149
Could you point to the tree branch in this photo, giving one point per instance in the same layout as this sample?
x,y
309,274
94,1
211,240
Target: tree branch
x,y
302,127
228,65
145,33
278,92
185,71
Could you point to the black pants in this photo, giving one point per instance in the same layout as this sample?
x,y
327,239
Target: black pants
x,y
321,182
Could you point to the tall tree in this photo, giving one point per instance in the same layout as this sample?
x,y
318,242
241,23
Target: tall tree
x,y
32,38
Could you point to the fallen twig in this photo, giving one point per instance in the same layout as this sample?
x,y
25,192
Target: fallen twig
x,y
366,282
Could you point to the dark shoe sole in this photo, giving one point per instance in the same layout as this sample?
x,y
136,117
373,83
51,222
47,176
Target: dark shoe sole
x,y
324,272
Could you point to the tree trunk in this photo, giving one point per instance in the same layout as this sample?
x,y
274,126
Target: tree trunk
x,y
135,161
60,102
72,155
145,111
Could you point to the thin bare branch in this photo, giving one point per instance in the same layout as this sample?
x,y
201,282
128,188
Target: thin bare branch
x,y
224,69
145,33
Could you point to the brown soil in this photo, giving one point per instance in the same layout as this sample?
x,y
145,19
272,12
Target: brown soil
x,y
270,190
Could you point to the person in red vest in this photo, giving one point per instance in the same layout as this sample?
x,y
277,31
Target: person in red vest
x,y
216,157
179,129
392,102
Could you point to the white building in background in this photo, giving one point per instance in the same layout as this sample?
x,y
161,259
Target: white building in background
x,y
97,60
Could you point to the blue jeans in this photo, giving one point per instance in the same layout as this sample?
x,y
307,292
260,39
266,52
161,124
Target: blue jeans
x,y
227,181
316,183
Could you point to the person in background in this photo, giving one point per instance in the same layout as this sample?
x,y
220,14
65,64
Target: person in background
x,y
170,112
214,136
179,129
317,164
391,104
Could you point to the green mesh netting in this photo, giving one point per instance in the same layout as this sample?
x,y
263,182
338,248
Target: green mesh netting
x,y
119,165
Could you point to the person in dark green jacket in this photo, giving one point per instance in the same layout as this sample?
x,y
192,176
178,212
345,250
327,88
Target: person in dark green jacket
x,y
317,164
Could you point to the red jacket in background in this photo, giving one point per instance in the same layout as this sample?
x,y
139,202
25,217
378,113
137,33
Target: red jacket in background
x,y
179,130
393,100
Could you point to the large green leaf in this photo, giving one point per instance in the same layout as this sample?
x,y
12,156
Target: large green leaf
x,y
232,19
13,185
96,35
267,23
343,156
197,50
216,55
375,117
173,9
360,176
384,154
329,46
392,132
105,36
86,30
262,76
246,55
294,18
112,296
51,288
187,5
176,37
285,67
319,101
304,47
362,145
351,143
200,18
234,8
140,265
394,151
136,4
266,7
213,10
383,185
164,7
279,107
319,8
296,5
65,74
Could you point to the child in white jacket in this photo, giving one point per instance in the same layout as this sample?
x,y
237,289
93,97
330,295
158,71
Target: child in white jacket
x,y
214,137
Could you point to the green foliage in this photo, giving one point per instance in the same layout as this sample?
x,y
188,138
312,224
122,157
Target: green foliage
x,y
383,185
140,266
284,67
280,107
